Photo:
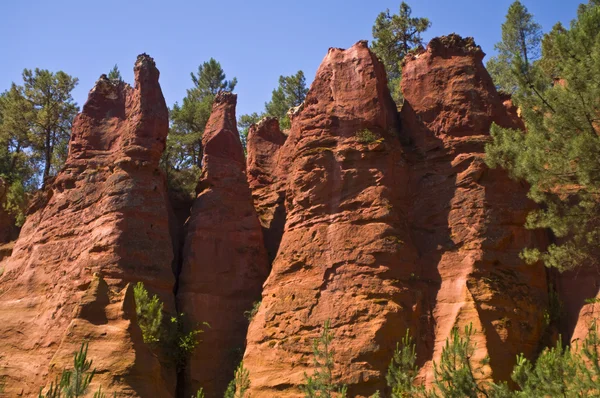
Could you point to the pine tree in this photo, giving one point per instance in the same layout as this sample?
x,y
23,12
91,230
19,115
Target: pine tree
x,y
182,159
36,124
519,48
115,74
559,156
394,36
74,383
403,370
290,93
240,384
321,383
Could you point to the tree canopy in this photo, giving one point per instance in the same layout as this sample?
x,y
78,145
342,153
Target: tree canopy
x,y
560,153
394,36
35,128
518,50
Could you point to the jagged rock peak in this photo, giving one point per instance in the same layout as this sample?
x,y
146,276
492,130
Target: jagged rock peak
x,y
450,45
221,138
226,97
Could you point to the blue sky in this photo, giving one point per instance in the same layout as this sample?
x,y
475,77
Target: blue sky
x,y
255,40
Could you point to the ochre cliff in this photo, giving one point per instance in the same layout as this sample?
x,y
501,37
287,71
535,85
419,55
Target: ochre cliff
x,y
372,220
100,226
467,221
346,254
266,180
224,258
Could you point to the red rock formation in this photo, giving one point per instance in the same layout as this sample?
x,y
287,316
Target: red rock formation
x,y
105,213
224,259
346,254
467,220
266,180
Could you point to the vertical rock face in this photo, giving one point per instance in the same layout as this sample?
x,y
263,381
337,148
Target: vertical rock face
x,y
266,180
346,254
105,214
224,259
467,220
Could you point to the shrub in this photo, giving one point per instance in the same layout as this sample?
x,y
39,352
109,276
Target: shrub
x,y
251,313
179,343
366,136
149,313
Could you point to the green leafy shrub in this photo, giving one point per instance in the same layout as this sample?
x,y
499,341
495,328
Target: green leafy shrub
x,y
321,384
178,342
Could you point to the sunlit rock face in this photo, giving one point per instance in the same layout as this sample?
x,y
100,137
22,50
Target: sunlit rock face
x,y
100,226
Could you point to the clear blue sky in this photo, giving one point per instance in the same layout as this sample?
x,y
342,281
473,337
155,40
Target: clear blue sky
x,y
255,40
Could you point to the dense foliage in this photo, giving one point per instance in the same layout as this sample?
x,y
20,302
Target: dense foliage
x,y
35,127
559,155
394,36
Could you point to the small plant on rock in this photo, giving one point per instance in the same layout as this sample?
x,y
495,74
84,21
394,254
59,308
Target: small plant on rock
x,y
74,383
321,384
240,384
366,136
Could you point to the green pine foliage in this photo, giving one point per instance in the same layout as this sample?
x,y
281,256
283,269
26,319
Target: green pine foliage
x,y
559,155
403,370
518,50
115,74
35,128
239,386
74,383
149,312
290,93
394,36
321,383
250,314
456,375
182,158
562,371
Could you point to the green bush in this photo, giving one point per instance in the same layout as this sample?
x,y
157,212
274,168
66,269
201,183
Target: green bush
x,y
177,341
250,314
366,136
149,312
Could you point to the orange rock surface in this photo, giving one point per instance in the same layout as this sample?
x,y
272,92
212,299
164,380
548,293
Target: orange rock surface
x,y
224,259
266,180
468,220
346,254
105,214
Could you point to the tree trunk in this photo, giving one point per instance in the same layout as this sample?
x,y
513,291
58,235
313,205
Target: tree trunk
x,y
48,159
